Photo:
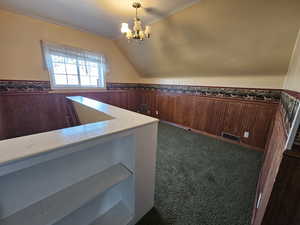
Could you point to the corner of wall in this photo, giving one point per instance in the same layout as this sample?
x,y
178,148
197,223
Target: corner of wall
x,y
292,79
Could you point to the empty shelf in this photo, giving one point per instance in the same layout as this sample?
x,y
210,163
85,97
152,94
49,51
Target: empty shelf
x,y
117,215
55,207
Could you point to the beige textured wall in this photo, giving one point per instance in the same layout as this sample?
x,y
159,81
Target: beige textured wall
x,y
293,76
248,81
222,43
20,51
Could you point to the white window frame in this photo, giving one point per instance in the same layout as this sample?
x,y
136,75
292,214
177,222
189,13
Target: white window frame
x,y
79,54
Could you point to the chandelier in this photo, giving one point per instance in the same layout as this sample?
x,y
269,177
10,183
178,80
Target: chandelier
x,y
137,32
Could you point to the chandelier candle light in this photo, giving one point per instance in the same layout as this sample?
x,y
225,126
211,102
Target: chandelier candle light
x,y
138,33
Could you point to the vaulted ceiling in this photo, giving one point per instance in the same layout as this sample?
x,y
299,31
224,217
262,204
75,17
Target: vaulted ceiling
x,y
98,16
190,37
220,37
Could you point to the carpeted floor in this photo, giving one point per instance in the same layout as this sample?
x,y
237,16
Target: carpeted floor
x,y
202,181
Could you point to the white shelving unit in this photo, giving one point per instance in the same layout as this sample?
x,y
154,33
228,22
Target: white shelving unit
x,y
93,214
101,189
47,211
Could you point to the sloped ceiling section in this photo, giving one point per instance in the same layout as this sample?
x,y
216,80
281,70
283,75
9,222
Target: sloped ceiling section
x,y
213,37
97,16
293,75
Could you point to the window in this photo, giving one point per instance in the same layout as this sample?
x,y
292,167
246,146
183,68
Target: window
x,y
74,68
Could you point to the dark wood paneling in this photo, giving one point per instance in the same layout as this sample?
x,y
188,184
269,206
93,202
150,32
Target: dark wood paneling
x,y
263,120
166,104
216,115
149,101
2,124
249,121
163,107
201,113
272,161
119,99
99,96
184,110
134,100
235,112
123,100
31,113
212,115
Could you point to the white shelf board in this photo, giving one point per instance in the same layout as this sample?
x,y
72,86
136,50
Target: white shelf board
x,y
55,207
117,215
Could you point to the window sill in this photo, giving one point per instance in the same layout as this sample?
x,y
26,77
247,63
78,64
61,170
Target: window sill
x,y
66,90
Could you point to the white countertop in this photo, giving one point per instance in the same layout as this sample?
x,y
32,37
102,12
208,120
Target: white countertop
x,y
28,146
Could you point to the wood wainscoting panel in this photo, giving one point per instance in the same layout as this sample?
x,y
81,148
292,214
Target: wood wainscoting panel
x,y
148,99
216,116
201,113
119,99
99,96
262,125
272,161
204,113
2,124
134,99
25,114
31,113
184,110
235,112
248,124
212,115
166,104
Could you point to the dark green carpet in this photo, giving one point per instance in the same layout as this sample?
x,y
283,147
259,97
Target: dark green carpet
x,y
202,181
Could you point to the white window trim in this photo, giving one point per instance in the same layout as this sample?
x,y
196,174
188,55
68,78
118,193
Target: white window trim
x,y
50,70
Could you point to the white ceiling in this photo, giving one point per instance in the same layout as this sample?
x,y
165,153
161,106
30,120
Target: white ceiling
x,y
98,16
